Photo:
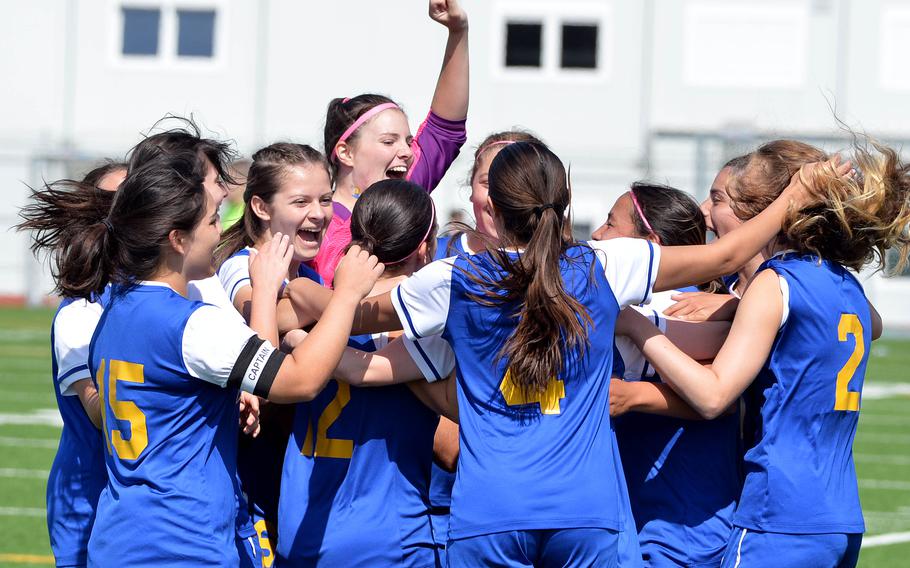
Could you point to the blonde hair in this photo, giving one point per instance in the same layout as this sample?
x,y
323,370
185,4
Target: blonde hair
x,y
857,219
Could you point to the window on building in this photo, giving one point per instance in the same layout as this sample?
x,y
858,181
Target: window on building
x,y
579,46
140,31
524,44
195,33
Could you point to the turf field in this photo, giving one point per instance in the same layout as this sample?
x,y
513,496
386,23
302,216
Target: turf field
x,y
29,432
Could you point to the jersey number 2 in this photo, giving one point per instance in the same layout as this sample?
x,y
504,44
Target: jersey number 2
x,y
330,447
845,399
123,410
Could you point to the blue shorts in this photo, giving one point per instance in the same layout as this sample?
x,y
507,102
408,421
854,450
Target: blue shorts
x,y
519,549
249,551
754,549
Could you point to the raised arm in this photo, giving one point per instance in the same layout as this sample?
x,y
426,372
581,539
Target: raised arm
x,y
684,266
450,100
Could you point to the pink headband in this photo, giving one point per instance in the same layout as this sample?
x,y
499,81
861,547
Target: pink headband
x,y
358,123
642,215
491,144
423,240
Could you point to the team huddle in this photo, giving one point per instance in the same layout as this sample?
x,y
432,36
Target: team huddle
x,y
329,382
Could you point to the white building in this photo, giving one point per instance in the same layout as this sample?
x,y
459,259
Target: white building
x,y
621,89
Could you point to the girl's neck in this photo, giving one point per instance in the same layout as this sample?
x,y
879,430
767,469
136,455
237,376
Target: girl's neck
x,y
386,283
345,190
175,280
748,271
475,244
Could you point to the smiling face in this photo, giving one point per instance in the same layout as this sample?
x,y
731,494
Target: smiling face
x,y
619,222
480,190
301,207
381,149
720,217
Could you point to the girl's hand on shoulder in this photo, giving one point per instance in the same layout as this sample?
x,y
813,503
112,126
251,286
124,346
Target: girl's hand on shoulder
x,y
702,306
357,273
269,265
449,13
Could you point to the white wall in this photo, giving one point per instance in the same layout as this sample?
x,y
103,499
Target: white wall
x,y
702,65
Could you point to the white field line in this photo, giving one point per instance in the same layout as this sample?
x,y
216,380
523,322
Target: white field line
x,y
875,437
22,512
885,539
28,442
40,417
21,473
886,390
860,457
887,484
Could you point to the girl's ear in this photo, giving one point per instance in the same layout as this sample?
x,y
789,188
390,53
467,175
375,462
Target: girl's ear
x,y
177,239
260,208
344,155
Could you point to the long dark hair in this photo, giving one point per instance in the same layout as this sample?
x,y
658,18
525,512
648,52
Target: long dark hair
x,y
392,219
163,191
530,191
62,211
673,214
269,166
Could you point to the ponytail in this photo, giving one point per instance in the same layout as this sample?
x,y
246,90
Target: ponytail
x,y
530,191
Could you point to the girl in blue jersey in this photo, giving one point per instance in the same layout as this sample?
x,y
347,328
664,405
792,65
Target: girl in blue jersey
x,y
355,487
288,191
531,325
168,369
799,343
682,474
58,215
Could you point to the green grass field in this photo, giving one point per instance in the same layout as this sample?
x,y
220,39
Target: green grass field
x,y
27,446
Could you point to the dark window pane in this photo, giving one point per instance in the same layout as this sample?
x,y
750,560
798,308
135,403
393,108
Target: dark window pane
x,y
140,31
196,33
579,46
523,43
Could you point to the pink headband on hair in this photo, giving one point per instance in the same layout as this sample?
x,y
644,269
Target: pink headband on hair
x,y
642,215
423,240
358,123
497,143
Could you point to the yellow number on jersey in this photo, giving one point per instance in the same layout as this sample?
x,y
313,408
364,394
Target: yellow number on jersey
x,y
330,447
125,410
265,532
846,399
548,399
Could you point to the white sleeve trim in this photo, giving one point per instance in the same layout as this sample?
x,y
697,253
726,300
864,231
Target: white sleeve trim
x,y
785,297
73,329
213,340
630,266
422,301
234,274
433,356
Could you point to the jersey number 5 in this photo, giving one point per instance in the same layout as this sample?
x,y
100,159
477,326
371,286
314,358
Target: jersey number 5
x,y
846,399
123,410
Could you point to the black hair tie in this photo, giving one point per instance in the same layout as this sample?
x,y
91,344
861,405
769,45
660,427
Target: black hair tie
x,y
108,225
541,208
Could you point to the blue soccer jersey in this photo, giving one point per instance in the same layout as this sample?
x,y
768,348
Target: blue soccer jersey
x,y
683,475
355,487
541,462
77,475
800,477
167,371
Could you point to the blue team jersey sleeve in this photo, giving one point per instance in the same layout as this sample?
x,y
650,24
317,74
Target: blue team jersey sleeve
x,y
422,301
73,329
630,266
